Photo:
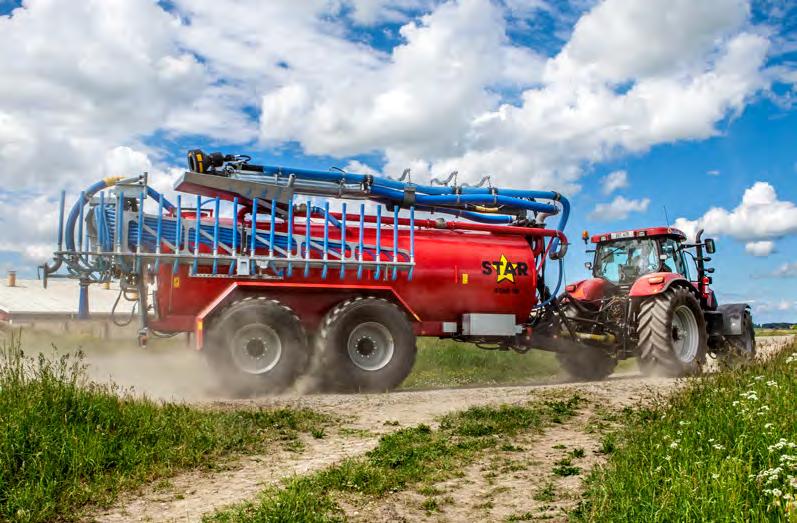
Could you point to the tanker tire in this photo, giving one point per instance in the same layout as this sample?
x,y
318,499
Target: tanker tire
x,y
672,334
589,364
739,350
354,344
257,346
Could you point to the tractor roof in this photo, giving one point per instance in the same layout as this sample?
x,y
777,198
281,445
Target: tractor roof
x,y
637,233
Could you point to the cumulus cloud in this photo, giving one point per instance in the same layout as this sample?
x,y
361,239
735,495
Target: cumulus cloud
x,y
618,209
760,218
760,248
82,78
613,181
456,93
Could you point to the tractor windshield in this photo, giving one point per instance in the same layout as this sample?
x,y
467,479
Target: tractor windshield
x,y
623,261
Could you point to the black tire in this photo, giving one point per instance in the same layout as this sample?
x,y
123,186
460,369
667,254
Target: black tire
x,y
739,350
589,364
257,346
354,344
672,334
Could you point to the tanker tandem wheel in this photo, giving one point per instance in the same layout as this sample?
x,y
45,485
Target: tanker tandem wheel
x,y
257,346
365,344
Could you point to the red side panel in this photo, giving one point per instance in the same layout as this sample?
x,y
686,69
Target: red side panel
x,y
589,290
654,283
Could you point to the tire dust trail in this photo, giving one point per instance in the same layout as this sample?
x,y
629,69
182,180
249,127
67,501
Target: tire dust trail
x,y
192,494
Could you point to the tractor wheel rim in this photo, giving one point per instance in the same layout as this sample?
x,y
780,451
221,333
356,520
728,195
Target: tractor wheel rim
x,y
685,337
256,348
370,346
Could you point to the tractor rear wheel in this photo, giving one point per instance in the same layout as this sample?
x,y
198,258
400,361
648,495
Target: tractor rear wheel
x,y
740,349
365,345
257,346
588,364
672,334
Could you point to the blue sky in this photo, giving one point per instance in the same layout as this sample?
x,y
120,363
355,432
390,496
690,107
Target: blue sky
x,y
685,105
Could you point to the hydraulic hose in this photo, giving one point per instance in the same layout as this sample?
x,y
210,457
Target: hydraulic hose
x,y
393,190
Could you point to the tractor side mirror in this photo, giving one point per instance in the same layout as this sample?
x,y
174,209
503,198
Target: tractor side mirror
x,y
710,247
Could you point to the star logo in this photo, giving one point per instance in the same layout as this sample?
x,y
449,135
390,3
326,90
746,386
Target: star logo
x,y
505,269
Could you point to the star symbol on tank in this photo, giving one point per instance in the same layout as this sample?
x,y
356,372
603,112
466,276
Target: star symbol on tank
x,y
506,270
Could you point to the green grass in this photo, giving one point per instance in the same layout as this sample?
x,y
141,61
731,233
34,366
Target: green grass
x,y
447,363
722,449
402,459
775,332
66,443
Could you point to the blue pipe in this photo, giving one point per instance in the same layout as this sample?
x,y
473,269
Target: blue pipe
x,y
178,243
79,224
395,191
343,240
216,237
76,209
290,236
155,195
476,199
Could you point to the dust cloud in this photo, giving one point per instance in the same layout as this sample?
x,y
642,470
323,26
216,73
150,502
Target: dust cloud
x,y
168,369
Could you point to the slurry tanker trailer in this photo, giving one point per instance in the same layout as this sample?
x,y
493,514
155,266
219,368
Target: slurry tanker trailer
x,y
280,271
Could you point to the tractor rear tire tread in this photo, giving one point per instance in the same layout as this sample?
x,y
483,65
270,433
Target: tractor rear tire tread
x,y
655,333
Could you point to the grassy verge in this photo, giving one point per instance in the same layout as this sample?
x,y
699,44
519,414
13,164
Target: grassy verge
x,y
65,443
446,363
776,332
401,459
722,449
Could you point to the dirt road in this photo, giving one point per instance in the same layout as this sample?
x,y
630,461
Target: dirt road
x,y
480,494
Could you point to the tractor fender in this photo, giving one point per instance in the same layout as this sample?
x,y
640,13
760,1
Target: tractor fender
x,y
656,283
733,318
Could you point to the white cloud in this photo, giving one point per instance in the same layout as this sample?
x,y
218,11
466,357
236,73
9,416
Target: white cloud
x,y
369,12
82,78
760,248
760,216
713,172
787,270
614,180
618,209
101,77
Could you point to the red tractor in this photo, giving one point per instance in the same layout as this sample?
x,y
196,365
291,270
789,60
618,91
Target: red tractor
x,y
649,298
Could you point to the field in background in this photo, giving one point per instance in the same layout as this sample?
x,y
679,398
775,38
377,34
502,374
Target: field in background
x,y
724,448
446,363
775,332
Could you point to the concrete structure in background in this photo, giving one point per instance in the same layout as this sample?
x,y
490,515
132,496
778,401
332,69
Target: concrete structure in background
x,y
26,303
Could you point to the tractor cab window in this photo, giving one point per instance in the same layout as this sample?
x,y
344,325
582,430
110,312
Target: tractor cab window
x,y
672,259
623,261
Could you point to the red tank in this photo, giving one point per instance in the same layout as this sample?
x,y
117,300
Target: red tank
x,y
485,270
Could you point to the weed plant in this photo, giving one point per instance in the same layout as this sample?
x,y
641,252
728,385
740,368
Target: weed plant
x,y
65,442
722,449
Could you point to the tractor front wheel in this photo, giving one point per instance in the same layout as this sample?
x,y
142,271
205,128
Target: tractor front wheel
x,y
672,334
257,346
588,364
365,345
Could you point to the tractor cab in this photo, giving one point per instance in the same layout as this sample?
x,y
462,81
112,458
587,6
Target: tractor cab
x,y
642,262
621,258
